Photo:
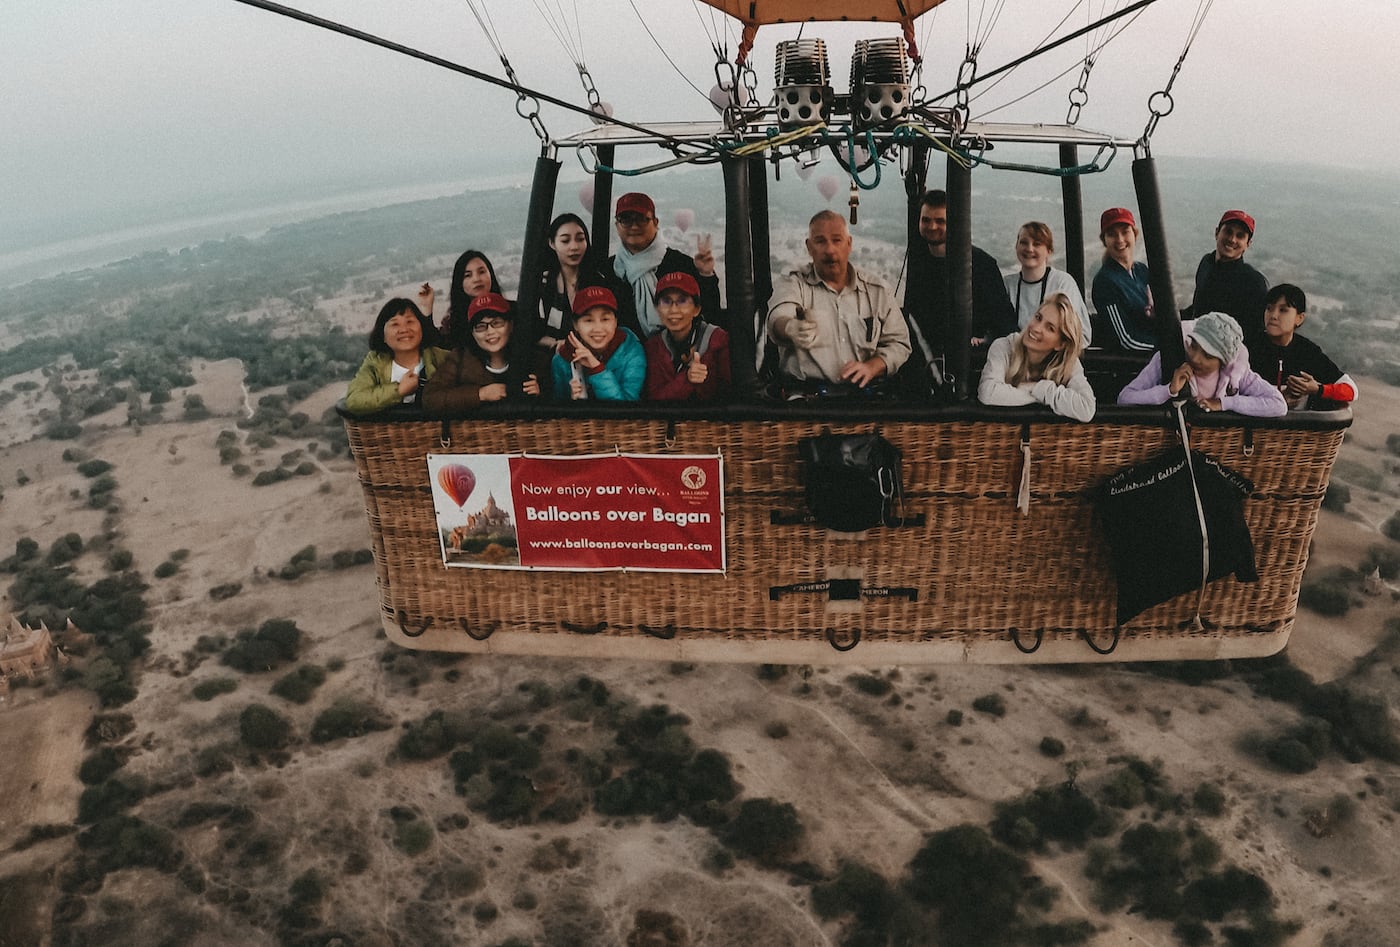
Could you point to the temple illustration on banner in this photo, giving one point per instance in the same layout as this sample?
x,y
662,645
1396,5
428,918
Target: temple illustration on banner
x,y
486,538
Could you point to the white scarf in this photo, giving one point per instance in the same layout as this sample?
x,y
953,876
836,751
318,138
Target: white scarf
x,y
639,270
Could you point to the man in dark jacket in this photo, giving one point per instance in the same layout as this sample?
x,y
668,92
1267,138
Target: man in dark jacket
x,y
1225,282
928,294
643,257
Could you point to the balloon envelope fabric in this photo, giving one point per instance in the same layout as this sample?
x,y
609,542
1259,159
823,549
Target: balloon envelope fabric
x,y
1150,519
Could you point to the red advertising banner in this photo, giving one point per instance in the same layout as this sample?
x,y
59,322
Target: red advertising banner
x,y
653,512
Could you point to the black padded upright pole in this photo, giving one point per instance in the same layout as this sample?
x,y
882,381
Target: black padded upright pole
x,y
532,260
1073,198
960,275
1154,235
738,271
602,224
915,183
758,231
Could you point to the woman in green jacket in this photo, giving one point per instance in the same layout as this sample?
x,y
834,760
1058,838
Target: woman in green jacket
x,y
400,360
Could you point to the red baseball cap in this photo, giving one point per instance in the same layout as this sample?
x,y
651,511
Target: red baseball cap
x,y
1116,215
590,296
1238,216
679,280
635,202
486,304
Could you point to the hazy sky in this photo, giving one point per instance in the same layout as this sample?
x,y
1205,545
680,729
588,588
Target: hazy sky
x,y
109,107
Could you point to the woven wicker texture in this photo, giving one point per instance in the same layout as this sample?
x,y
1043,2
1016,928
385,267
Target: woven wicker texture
x,y
980,567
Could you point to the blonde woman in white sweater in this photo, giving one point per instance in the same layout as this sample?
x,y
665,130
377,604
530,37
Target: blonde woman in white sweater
x,y
1040,364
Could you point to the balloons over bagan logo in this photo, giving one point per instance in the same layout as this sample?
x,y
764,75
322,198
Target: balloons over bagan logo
x,y
692,478
457,481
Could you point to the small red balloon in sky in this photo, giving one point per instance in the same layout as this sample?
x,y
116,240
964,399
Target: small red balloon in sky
x,y
457,481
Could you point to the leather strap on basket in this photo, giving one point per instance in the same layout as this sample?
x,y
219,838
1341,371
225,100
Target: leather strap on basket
x,y
1023,488
1196,624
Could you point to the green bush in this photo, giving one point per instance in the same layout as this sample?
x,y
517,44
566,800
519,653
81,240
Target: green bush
x,y
119,561
300,685
65,549
870,684
1291,755
166,569
263,728
1391,527
1325,597
976,886
94,467
993,704
225,591
347,717
266,477
765,830
105,799
208,690
99,765
1209,799
277,641
1060,813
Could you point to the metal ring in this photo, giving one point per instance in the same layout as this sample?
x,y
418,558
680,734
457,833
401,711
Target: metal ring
x,y
1163,96
831,640
402,617
490,629
1016,640
1113,645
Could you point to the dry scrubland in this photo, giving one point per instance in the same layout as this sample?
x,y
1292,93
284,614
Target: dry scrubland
x,y
481,826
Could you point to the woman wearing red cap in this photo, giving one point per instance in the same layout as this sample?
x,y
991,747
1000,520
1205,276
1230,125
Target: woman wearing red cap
x,y
689,358
599,359
1121,291
478,370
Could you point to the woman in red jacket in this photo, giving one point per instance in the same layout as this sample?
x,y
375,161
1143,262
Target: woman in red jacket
x,y
689,358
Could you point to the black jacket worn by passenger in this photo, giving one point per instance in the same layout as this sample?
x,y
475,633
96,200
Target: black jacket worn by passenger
x,y
677,262
1275,363
1232,287
928,300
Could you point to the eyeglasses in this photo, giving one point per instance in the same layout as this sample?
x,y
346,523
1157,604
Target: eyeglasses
x,y
633,220
672,301
486,325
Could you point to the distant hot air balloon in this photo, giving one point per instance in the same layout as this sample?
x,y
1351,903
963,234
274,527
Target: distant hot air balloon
x,y
719,96
685,217
804,171
828,185
457,481
585,195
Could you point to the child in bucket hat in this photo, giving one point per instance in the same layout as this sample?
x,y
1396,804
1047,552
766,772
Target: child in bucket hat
x,y
599,359
1215,376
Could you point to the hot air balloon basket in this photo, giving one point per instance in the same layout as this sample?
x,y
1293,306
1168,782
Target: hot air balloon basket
x,y
969,575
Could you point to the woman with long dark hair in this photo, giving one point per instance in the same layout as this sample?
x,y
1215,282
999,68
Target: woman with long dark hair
x,y
572,265
472,275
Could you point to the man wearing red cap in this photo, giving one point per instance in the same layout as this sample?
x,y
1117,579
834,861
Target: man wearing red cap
x,y
1121,291
1225,282
643,257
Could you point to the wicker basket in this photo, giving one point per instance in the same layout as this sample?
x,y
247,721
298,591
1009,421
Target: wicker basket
x,y
978,566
